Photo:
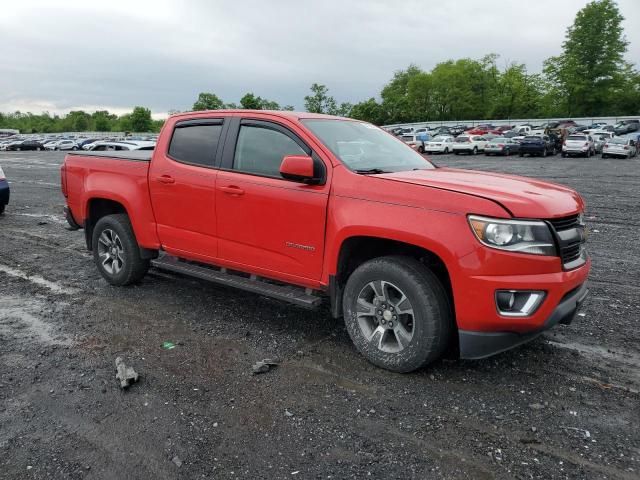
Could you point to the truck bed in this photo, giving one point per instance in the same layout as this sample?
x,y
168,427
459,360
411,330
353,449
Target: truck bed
x,y
136,155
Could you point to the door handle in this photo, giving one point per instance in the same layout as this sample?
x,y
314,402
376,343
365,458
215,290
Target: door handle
x,y
166,179
232,190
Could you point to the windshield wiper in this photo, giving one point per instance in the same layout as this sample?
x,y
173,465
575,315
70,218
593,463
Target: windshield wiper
x,y
371,171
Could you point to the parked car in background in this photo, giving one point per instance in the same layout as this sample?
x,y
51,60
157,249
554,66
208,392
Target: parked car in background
x,y
627,126
521,130
501,146
51,144
4,191
66,145
600,137
537,145
27,145
578,145
457,130
471,144
413,141
620,147
439,144
441,131
86,141
483,129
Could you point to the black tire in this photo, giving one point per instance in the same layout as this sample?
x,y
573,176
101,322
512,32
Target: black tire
x,y
2,207
521,154
446,150
431,322
38,149
475,150
544,152
421,149
604,155
456,153
563,155
18,148
132,268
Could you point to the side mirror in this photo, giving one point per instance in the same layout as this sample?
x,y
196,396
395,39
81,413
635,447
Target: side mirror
x,y
297,167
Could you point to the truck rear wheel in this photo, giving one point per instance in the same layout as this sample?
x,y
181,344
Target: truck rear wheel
x,y
116,252
397,313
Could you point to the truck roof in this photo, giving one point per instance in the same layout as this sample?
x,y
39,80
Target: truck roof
x,y
280,113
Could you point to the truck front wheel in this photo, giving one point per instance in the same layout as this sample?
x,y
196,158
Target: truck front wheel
x,y
116,251
397,313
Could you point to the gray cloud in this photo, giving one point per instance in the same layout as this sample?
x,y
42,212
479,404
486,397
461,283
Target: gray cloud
x,y
93,54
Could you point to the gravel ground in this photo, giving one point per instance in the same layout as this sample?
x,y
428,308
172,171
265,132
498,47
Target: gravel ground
x,y
564,406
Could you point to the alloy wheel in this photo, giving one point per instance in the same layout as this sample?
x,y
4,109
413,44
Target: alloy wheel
x,y
111,251
385,316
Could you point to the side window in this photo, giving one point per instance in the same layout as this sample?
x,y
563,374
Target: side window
x,y
195,144
260,150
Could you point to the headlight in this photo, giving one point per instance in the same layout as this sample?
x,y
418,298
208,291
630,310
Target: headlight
x,y
522,236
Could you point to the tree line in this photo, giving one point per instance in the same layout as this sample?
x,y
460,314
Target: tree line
x,y
589,78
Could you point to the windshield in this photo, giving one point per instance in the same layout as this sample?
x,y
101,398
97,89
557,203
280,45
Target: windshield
x,y
362,146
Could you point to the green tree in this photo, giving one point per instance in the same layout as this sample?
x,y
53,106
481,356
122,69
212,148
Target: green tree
x,y
250,102
584,78
368,111
320,101
395,95
141,120
208,101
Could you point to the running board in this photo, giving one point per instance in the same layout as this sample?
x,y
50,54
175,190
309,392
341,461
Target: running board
x,y
296,295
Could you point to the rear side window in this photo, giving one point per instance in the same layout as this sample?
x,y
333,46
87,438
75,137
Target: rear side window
x,y
260,150
195,144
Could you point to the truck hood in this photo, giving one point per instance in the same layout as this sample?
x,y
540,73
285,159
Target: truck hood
x,y
520,196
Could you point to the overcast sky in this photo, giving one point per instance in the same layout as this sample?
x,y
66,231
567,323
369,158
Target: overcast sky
x,y
160,54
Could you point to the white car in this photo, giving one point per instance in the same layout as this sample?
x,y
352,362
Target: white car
x,y
471,144
50,145
66,145
522,130
413,141
600,137
620,147
120,146
578,144
439,144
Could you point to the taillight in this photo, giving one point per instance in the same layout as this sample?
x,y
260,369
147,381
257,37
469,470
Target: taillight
x,y
626,147
501,145
586,144
606,145
63,180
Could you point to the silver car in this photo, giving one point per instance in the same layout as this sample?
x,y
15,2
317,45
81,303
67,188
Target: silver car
x,y
501,146
578,144
620,147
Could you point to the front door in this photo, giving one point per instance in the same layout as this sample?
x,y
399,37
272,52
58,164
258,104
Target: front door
x,y
182,186
265,222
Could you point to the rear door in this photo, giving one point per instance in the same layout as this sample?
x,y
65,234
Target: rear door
x,y
182,180
265,223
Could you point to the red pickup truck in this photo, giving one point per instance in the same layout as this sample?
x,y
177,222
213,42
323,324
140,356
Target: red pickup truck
x,y
419,260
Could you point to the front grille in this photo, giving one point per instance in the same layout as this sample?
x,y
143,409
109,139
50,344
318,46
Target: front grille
x,y
569,233
565,223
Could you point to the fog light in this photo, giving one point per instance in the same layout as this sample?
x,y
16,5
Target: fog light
x,y
518,303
